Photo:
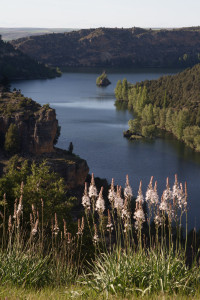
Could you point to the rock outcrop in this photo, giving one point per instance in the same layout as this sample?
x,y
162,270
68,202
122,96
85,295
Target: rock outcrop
x,y
38,131
37,126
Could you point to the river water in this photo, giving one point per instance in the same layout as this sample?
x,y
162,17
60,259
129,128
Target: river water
x,y
89,120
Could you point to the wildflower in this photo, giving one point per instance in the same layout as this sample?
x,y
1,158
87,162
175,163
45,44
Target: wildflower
x,y
64,228
69,238
125,214
92,188
163,205
151,193
10,224
128,190
111,192
118,201
109,225
167,194
34,230
80,226
86,199
56,228
100,204
140,198
158,220
139,216
182,199
96,237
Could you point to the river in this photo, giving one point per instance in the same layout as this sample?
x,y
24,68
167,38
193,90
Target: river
x,y
89,120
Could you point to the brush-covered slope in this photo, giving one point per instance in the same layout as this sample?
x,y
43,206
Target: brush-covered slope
x,y
16,65
115,47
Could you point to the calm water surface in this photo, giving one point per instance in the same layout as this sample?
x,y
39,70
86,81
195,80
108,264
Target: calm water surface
x,y
89,119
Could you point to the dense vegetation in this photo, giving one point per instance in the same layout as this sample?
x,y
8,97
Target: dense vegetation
x,y
171,103
16,65
103,47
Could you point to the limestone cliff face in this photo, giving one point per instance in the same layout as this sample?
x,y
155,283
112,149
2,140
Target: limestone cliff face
x,y
45,129
37,131
73,169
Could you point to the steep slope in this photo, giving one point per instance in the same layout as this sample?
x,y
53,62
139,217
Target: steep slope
x,y
115,47
16,65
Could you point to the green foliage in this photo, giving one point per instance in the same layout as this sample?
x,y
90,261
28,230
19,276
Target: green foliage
x,y
40,183
149,131
118,90
171,103
21,268
122,273
125,89
102,80
135,125
12,140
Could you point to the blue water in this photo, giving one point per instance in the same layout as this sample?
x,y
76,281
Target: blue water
x,y
89,119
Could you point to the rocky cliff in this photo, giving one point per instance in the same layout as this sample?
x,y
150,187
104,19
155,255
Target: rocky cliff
x,y
115,47
37,126
38,130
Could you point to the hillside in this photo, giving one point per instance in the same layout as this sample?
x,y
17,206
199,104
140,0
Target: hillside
x,y
115,47
171,103
16,65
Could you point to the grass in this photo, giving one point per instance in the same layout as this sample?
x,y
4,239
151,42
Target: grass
x,y
130,252
78,292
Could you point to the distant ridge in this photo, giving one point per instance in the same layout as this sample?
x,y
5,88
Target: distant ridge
x,y
108,47
9,34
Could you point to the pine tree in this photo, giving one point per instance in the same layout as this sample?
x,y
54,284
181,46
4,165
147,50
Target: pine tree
x,y
12,140
118,90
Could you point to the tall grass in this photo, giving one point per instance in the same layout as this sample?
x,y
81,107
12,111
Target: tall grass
x,y
122,246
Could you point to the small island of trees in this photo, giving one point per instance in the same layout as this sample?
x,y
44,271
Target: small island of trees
x,y
103,80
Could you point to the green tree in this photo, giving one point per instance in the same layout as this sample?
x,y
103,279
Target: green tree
x,y
39,183
125,89
12,140
118,90
149,131
147,115
169,120
135,125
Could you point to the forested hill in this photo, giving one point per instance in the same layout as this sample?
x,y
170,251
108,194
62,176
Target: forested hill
x,y
16,65
171,103
115,47
177,91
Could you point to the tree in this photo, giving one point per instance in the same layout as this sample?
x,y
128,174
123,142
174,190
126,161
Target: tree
x,y
118,90
125,89
39,183
135,125
12,140
71,148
